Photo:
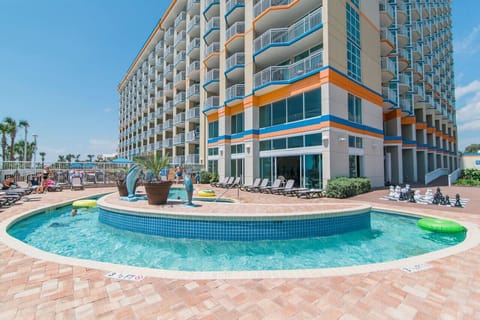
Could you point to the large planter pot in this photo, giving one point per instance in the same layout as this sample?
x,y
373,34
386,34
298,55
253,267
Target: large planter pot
x,y
122,187
157,192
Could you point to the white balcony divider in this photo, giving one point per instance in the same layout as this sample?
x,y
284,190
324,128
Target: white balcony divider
x,y
283,35
289,72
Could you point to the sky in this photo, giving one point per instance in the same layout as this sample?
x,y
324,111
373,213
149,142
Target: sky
x,y
61,62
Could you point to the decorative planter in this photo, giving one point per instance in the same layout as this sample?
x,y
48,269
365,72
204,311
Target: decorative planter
x,y
157,192
122,187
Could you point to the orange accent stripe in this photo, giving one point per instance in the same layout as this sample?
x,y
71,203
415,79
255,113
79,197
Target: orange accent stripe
x,y
392,115
408,120
238,35
430,130
284,7
392,142
421,126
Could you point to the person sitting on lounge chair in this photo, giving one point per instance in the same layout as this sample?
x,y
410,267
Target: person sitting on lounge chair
x,y
8,183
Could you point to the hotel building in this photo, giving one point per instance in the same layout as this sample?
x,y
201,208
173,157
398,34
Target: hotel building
x,y
304,89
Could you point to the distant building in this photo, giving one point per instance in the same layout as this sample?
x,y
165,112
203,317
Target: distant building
x,y
471,160
307,90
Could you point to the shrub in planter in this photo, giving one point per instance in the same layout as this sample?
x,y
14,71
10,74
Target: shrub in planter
x,y
343,187
156,189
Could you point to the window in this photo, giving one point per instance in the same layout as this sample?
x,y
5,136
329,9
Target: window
x,y
313,103
353,43
213,151
355,166
295,142
265,145
213,129
354,108
313,140
279,144
237,148
265,115
355,142
295,108
237,123
279,112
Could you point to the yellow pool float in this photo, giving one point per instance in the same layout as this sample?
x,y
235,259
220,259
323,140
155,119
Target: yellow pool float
x,y
206,193
84,203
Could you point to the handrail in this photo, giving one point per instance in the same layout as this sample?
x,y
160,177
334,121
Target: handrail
x,y
429,177
452,177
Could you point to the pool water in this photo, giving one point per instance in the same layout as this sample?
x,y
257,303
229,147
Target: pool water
x,y
391,237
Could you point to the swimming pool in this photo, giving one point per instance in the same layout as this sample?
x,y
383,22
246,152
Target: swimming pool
x,y
390,237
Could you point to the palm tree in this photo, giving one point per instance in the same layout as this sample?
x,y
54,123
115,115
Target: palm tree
x,y
90,157
24,124
4,131
42,154
77,158
12,131
61,158
69,157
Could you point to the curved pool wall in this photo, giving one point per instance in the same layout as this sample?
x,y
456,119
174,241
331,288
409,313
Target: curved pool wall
x,y
235,228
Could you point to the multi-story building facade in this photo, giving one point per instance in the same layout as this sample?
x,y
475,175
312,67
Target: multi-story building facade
x,y
308,90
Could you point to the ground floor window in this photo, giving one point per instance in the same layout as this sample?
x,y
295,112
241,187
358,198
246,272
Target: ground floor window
x,y
212,166
236,167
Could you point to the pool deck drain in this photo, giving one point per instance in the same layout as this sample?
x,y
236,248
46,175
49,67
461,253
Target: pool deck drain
x,y
37,288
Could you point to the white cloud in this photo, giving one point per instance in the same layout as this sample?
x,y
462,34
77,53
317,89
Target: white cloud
x,y
469,44
473,86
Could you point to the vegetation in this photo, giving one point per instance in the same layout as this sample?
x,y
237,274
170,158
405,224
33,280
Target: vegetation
x,y
469,177
208,177
13,150
153,164
472,148
343,187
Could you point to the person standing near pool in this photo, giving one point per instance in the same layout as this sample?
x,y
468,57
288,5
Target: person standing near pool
x,y
178,174
45,178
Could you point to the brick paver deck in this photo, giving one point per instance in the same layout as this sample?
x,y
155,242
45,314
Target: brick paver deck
x,y
32,288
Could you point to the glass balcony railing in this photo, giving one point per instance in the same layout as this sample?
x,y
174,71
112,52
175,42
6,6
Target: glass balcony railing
x,y
265,4
168,143
193,90
194,66
236,28
388,64
180,57
212,48
388,35
195,21
236,91
289,72
179,118
213,23
290,34
178,159
168,106
179,98
191,3
193,113
179,77
180,37
179,139
389,95
212,102
233,3
212,75
180,18
168,124
235,60
192,159
195,43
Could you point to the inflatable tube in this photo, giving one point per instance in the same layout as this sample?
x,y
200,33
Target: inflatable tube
x,y
206,193
84,203
440,225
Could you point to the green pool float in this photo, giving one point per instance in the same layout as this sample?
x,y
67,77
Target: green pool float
x,y
440,225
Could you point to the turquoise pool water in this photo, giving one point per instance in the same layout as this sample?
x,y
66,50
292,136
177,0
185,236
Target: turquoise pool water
x,y
391,237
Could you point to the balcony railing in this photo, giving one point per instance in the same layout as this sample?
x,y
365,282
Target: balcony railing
x,y
180,57
285,35
194,66
236,91
388,64
212,102
168,106
289,72
181,36
195,21
178,159
387,34
179,98
265,4
195,43
191,3
179,118
179,139
168,124
193,90
180,18
193,113
192,159
213,23
168,143
236,28
179,77
232,3
389,95
212,75
213,47
235,60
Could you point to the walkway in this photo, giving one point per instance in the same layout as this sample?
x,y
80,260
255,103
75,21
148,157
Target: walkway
x,y
32,288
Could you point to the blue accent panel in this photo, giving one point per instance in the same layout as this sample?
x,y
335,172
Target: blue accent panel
x,y
213,140
208,32
215,3
238,5
392,138
477,162
209,82
422,145
243,229
233,68
289,43
409,142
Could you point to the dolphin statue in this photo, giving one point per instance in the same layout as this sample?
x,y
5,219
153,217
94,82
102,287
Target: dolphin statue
x,y
132,176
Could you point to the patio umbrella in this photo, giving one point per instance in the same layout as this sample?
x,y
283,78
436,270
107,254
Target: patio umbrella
x,y
121,160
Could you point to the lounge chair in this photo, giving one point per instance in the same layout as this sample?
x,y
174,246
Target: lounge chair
x,y
276,184
235,183
226,184
76,183
262,185
309,193
279,190
216,184
255,184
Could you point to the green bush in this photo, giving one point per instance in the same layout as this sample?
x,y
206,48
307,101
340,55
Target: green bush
x,y
214,177
343,187
205,177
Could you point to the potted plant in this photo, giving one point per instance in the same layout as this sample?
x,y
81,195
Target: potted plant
x,y
156,189
122,182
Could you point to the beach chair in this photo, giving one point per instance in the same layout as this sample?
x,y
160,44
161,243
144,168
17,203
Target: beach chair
x,y
224,181
255,184
309,193
226,184
262,185
288,186
276,184
76,183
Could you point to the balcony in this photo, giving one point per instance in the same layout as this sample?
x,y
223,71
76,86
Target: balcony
x,y
388,69
168,124
235,10
180,39
212,103
169,35
194,92
275,77
403,59
180,20
212,53
401,14
387,41
403,36
235,66
404,82
178,160
179,99
212,8
386,14
159,49
192,159
193,6
234,94
278,44
193,114
180,60
277,13
159,63
193,49
179,139
193,27
159,145
179,119
179,80
212,79
167,143
169,54
235,37
168,107
389,98
212,30
168,89
193,71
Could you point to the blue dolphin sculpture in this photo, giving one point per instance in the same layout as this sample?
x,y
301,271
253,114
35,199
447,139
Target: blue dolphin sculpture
x,y
132,176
